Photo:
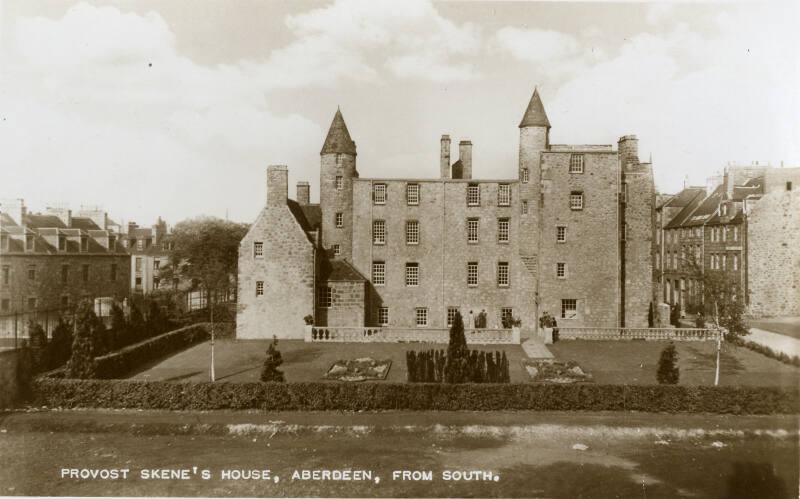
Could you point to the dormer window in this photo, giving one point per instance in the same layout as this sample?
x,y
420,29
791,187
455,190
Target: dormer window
x,y
29,239
140,244
4,242
62,243
84,244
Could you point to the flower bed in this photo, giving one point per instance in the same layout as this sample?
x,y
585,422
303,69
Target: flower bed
x,y
552,371
362,369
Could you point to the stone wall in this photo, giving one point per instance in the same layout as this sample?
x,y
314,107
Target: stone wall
x,y
639,198
332,201
15,374
287,270
591,251
773,270
348,305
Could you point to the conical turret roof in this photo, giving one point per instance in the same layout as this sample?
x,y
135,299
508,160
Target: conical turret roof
x,y
535,115
338,139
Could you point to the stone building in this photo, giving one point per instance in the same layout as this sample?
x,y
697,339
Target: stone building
x,y
50,261
703,231
571,234
150,248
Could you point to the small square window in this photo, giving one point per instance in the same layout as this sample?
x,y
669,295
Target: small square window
x,y
502,230
325,297
502,274
504,195
339,183
412,274
569,308
451,315
421,316
259,288
337,250
412,194
31,272
473,195
524,208
576,201
472,274
561,234
339,220
561,270
258,249
525,175
412,232
379,232
379,193
379,273
576,163
383,316
473,225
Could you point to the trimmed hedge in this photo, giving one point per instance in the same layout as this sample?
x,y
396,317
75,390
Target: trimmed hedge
x,y
318,396
121,362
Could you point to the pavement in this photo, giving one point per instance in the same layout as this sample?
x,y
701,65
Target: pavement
x,y
777,342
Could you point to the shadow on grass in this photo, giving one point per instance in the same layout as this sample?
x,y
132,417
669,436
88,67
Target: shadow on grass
x,y
301,356
707,361
184,376
750,479
238,373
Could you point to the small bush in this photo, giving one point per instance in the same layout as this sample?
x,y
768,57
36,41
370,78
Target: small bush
x,y
668,372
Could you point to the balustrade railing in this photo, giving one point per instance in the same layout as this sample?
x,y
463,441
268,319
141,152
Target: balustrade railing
x,y
332,334
630,333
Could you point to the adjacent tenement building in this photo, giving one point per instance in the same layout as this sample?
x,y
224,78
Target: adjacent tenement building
x,y
571,234
50,261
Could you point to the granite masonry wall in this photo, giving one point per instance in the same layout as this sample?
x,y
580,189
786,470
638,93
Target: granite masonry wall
x,y
639,249
348,305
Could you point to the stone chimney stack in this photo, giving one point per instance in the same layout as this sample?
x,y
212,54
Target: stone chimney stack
x,y
727,182
303,192
628,147
63,214
465,156
277,185
444,157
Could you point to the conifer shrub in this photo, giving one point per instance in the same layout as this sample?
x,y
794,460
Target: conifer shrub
x,y
668,372
59,349
81,363
38,345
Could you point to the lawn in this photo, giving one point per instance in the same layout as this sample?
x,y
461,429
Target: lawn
x,y
241,360
787,326
635,362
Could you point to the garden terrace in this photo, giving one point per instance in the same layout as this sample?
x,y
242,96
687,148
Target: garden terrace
x,y
400,335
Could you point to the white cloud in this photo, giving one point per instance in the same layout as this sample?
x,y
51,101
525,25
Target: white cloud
x,y
534,45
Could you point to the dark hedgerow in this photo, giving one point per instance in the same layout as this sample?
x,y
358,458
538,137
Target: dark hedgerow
x,y
317,396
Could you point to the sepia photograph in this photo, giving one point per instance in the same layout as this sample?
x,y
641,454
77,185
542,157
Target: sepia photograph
x,y
384,248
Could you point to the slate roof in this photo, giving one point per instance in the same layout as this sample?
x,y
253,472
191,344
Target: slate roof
x,y
313,215
41,221
338,139
535,115
6,220
684,197
84,223
695,198
340,270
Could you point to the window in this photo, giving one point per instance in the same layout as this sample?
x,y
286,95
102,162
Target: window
x,y
339,220
337,250
502,274
156,264
156,282
724,262
29,242
383,316
576,163
525,176
524,207
473,195
736,233
85,272
258,249
561,270
472,230
502,230
724,231
138,264
451,315
31,303
506,315
503,195
325,297
788,186
576,201
31,272
379,232
379,273
64,274
412,194
569,308
113,275
339,183
472,274
138,282
140,244
62,243
412,232
561,234
421,316
259,288
5,304
6,274
658,260
412,274
735,262
379,193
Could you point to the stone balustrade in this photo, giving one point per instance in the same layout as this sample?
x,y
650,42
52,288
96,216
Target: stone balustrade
x,y
324,334
633,333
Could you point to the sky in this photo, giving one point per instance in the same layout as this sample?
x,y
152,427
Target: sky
x,y
175,108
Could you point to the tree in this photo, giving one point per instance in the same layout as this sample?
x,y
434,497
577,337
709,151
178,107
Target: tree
x,y
457,353
156,322
119,327
81,364
38,344
270,372
206,252
60,346
668,372
136,326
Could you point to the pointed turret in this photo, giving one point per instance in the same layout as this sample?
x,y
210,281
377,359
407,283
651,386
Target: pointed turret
x,y
338,139
535,115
